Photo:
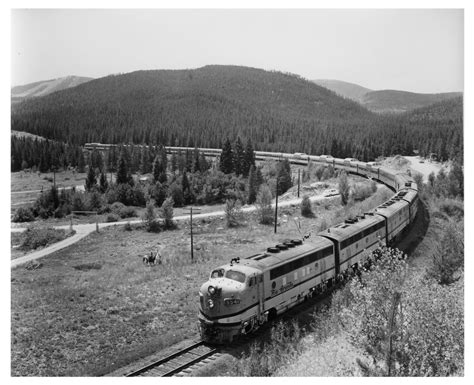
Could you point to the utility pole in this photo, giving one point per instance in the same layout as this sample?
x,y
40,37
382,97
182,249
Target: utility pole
x,y
276,204
54,177
191,228
298,183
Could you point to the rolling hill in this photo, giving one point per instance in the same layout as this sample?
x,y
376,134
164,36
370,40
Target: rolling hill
x,y
345,89
202,107
385,101
196,107
45,87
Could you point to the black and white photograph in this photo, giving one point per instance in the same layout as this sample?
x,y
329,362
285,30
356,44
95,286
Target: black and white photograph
x,y
251,191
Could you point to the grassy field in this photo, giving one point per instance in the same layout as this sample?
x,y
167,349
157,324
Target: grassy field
x,y
94,306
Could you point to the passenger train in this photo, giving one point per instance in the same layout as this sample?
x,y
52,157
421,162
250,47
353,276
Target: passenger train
x,y
247,292
244,294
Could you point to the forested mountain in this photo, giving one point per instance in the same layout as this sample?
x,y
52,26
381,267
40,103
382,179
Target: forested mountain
x,y
203,107
385,101
45,87
345,89
392,101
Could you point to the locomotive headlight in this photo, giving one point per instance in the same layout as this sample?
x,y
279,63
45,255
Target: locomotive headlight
x,y
211,290
210,303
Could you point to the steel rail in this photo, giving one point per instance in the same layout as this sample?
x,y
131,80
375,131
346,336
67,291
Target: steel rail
x,y
173,356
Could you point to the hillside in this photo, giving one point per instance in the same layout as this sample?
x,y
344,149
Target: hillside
x,y
204,106
45,87
391,101
190,107
385,101
345,89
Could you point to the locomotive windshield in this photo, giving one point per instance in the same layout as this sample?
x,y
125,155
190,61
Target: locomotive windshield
x,y
235,275
217,273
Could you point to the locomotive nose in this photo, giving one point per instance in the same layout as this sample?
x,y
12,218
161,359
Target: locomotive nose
x,y
216,293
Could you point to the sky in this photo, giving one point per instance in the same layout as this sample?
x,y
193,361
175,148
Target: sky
x,y
413,50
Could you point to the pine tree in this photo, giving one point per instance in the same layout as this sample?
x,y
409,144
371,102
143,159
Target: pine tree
x,y
174,162
103,183
226,161
122,171
249,158
187,192
91,180
157,168
252,186
203,163
81,164
284,176
239,157
196,166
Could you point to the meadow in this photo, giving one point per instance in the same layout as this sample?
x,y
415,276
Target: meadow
x,y
94,307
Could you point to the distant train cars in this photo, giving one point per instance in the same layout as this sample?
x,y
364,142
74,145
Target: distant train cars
x,y
247,292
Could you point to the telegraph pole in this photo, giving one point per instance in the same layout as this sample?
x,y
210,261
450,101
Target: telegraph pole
x,y
276,204
191,228
298,183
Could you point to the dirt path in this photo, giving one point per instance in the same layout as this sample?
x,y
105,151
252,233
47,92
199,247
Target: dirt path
x,y
85,229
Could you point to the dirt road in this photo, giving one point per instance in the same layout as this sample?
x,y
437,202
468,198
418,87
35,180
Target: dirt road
x,y
85,229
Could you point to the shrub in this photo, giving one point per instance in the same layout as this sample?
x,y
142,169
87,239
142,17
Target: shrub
x,y
361,191
116,207
176,193
449,254
34,238
306,209
127,227
264,208
265,359
112,217
344,188
127,212
452,208
149,217
167,213
233,212
373,186
23,214
94,201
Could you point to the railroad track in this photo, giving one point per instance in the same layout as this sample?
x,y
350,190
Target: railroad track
x,y
177,363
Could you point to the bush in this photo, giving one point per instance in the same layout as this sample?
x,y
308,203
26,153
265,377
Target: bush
x,y
265,359
112,218
116,207
361,191
452,208
127,227
23,214
233,212
344,188
149,217
167,213
127,212
34,238
306,209
264,208
449,254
